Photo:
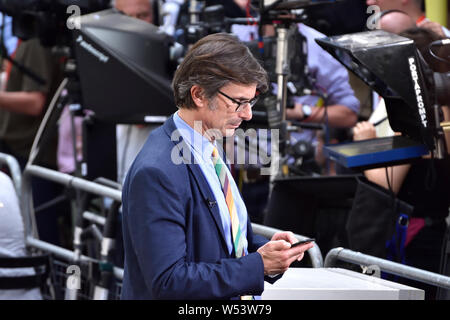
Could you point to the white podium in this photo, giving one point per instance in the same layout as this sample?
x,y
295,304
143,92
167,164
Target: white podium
x,y
336,284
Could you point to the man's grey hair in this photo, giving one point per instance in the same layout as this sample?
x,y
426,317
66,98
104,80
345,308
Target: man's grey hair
x,y
212,63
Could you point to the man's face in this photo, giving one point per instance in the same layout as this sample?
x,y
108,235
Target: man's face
x,y
139,9
386,4
221,114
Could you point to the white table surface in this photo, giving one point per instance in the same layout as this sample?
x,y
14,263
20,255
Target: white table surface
x,y
336,284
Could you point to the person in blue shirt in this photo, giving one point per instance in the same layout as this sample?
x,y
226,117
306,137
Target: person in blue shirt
x,y
187,234
330,79
9,39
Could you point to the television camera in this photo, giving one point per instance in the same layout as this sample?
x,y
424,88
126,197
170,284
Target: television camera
x,y
283,55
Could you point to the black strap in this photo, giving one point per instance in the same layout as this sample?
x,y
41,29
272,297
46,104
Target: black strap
x,y
23,282
24,262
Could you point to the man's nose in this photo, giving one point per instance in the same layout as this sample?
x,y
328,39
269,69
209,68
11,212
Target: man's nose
x,y
246,113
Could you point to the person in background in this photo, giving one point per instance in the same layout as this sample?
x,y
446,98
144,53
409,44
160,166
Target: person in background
x,y
330,79
22,108
12,240
395,21
413,8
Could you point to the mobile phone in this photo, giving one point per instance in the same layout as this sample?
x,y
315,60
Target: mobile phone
x,y
302,242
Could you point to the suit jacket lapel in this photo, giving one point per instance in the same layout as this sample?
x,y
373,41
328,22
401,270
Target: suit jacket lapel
x,y
203,186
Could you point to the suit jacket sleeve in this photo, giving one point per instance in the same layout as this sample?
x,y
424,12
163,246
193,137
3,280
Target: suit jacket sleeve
x,y
156,209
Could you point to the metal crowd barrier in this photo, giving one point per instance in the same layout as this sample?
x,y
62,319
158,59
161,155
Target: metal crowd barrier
x,y
14,170
386,266
61,178
97,189
65,254
314,253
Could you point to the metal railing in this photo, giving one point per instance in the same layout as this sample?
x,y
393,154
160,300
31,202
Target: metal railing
x,y
65,254
101,190
14,170
61,178
314,253
386,266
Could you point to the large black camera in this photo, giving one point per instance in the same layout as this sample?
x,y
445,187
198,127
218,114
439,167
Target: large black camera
x,y
47,19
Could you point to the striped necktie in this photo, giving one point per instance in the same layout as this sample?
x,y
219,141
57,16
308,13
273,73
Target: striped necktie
x,y
221,171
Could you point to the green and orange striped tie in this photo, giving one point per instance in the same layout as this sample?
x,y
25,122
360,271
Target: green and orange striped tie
x,y
221,170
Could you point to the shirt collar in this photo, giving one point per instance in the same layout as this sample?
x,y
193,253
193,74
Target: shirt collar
x,y
199,144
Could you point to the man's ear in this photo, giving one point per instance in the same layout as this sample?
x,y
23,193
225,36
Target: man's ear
x,y
198,96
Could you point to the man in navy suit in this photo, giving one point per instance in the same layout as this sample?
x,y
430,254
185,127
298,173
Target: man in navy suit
x,y
179,240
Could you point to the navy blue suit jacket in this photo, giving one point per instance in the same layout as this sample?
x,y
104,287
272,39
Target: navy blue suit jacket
x,y
173,237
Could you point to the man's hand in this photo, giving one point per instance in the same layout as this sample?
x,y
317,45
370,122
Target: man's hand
x,y
363,131
278,255
433,26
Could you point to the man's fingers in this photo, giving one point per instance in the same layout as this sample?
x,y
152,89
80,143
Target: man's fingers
x,y
285,235
300,249
279,245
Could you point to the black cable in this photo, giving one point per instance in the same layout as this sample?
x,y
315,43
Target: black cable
x,y
390,188
439,43
430,178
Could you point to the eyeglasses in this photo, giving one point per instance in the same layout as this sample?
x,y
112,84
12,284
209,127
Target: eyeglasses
x,y
241,104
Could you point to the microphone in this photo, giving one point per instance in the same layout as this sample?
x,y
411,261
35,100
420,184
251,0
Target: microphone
x,y
211,203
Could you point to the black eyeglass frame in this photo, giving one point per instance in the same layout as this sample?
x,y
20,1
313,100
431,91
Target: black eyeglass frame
x,y
240,104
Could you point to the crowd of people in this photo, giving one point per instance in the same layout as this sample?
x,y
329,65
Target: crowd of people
x,y
207,208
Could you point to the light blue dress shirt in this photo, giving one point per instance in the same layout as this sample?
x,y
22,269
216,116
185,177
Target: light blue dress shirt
x,y
9,39
202,150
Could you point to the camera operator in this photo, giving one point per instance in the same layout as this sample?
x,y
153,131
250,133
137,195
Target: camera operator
x,y
342,108
339,110
424,184
22,107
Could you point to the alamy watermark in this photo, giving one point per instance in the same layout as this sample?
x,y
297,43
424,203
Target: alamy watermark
x,y
373,22
244,147
73,281
74,21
